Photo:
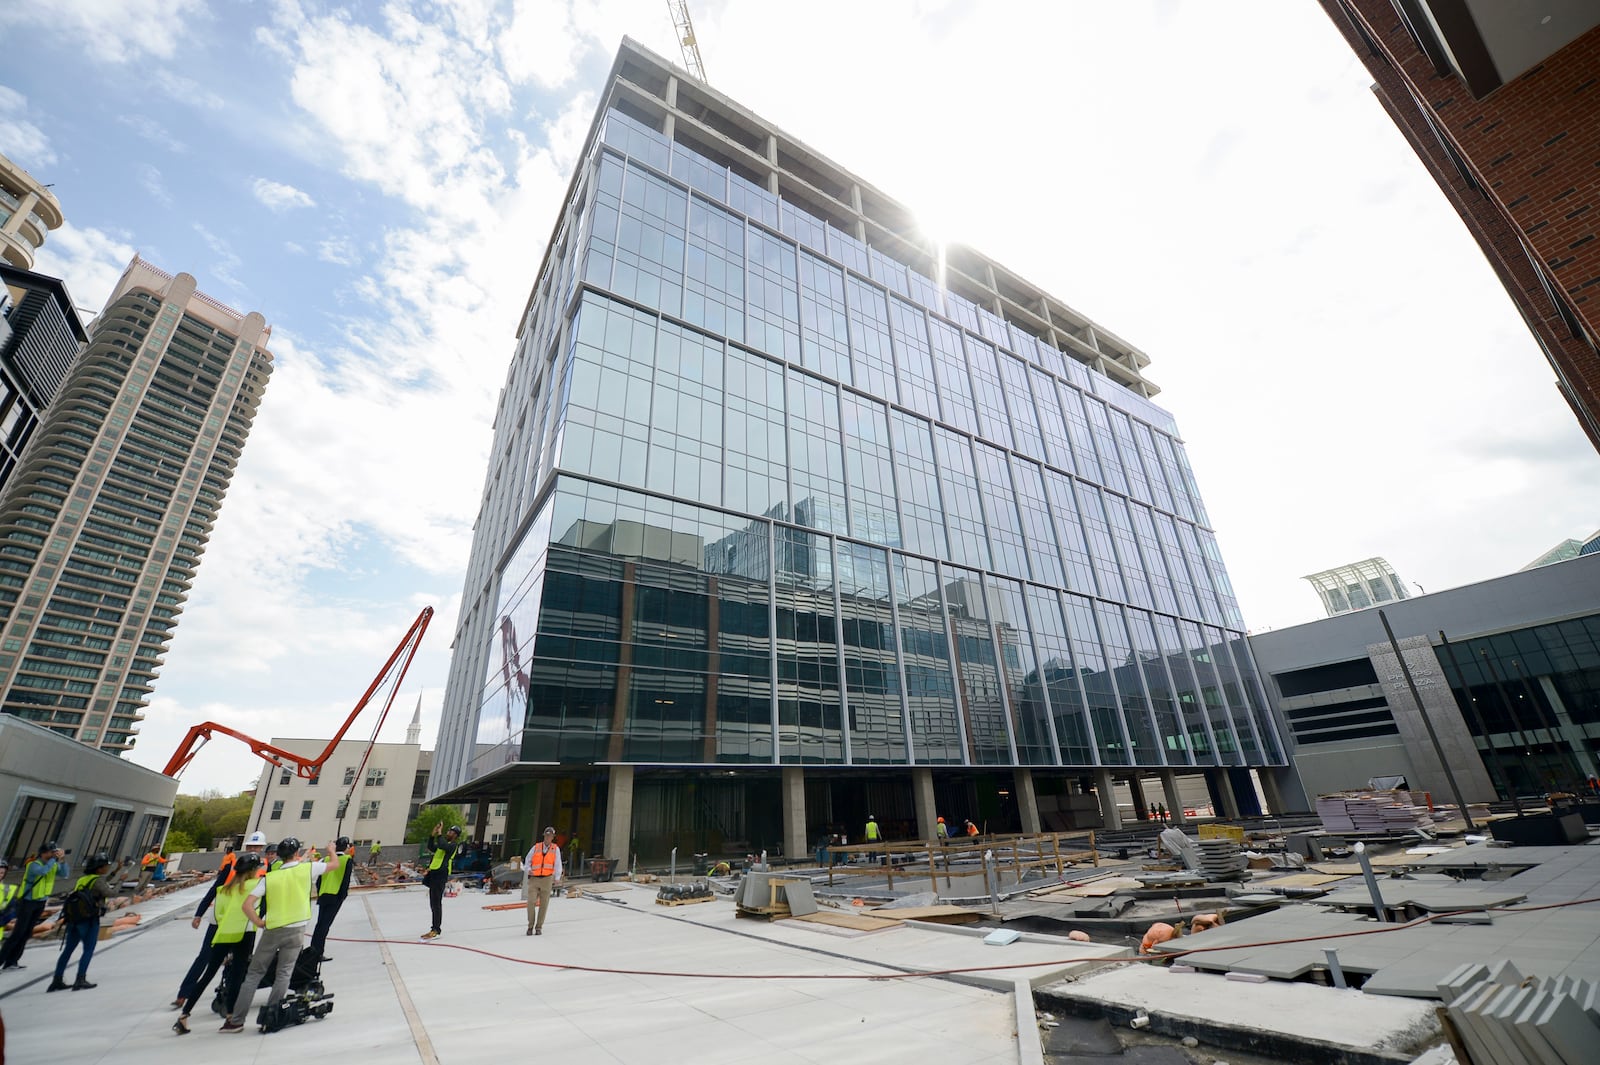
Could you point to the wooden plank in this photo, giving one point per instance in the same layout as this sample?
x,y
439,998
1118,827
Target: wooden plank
x,y
938,914
859,921
684,902
1299,880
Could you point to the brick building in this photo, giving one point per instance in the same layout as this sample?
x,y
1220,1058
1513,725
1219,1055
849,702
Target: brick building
x,y
1502,104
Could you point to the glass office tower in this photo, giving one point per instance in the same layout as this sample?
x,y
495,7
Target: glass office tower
x,y
782,527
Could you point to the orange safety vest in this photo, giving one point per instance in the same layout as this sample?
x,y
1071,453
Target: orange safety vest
x,y
542,861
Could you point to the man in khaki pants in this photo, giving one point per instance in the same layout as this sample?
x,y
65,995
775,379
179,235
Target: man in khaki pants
x,y
543,865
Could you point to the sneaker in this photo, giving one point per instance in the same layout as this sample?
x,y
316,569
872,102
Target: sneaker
x,y
229,1027
530,931
431,934
538,931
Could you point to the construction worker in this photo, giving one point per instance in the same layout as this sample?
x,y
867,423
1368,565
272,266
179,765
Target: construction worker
x,y
544,874
152,863
38,882
874,835
972,829
331,893
941,832
440,866
253,847
287,893
8,896
372,855
232,940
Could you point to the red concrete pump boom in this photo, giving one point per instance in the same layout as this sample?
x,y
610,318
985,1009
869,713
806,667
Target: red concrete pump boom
x,y
200,734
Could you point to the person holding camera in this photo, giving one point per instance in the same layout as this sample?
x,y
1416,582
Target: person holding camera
x,y
81,914
38,883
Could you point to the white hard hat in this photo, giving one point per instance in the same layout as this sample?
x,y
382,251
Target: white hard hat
x,y
257,839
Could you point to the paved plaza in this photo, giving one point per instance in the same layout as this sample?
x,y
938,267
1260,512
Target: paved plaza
x,y
472,996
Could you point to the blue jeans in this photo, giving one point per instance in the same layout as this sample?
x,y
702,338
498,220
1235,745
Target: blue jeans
x,y
86,933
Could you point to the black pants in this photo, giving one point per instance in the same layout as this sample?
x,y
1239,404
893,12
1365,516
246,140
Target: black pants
x,y
28,913
436,901
186,989
236,956
327,910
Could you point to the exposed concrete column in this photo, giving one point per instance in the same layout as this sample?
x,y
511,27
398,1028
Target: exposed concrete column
x,y
1027,801
922,799
619,815
1174,800
772,161
1136,789
1269,791
1569,731
1221,788
1105,787
670,122
794,812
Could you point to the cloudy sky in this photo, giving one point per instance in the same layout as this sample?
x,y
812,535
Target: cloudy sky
x,y
1212,181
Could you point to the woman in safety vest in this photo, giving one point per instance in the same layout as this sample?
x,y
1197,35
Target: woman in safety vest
x,y
234,939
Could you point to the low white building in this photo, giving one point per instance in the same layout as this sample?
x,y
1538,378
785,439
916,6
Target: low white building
x,y
371,803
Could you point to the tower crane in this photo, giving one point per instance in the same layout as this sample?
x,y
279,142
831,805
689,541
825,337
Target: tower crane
x,y
685,29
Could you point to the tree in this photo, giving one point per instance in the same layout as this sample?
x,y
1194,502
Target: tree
x,y
421,826
179,842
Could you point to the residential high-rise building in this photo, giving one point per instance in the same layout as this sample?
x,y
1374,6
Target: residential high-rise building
x,y
794,518
106,517
40,337
1370,582
1500,103
28,212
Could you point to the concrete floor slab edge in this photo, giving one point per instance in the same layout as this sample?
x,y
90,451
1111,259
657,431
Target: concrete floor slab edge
x,y
1280,1046
1030,1048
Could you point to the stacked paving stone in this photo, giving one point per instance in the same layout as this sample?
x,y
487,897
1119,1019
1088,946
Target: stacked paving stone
x,y
1503,1018
1372,812
1221,859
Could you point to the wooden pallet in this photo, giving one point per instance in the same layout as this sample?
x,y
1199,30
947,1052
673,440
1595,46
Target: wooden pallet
x,y
684,902
764,913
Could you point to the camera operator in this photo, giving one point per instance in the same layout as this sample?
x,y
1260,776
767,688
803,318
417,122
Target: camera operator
x,y
38,883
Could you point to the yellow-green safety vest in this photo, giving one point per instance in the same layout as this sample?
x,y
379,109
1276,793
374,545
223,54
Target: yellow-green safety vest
x,y
288,895
438,860
45,884
7,893
231,920
333,879
872,831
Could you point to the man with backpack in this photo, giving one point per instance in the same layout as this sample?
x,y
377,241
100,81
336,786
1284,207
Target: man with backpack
x,y
81,913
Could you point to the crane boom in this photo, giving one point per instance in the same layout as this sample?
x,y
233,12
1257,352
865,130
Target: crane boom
x,y
685,29
201,734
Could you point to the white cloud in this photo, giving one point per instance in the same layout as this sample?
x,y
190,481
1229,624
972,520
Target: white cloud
x,y
154,132
20,140
541,45
341,251
226,266
277,196
151,181
112,31
88,260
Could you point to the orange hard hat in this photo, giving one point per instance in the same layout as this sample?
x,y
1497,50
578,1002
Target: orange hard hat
x,y
941,820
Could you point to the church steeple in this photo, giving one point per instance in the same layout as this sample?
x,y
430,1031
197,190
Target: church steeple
x,y
414,730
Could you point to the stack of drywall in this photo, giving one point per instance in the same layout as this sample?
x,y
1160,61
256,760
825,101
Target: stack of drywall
x,y
1335,815
1221,859
1398,818
1501,1017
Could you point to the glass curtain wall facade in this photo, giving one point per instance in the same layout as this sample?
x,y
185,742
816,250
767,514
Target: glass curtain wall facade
x,y
764,495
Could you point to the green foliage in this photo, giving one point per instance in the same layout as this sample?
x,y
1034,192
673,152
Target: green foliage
x,y
421,826
210,816
178,842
